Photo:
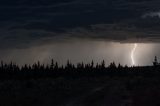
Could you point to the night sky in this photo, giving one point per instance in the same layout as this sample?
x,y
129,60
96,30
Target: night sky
x,y
80,30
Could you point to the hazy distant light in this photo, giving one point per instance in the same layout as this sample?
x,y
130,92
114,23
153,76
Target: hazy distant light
x,y
132,54
85,50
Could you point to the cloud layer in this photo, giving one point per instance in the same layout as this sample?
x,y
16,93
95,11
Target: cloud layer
x,y
27,23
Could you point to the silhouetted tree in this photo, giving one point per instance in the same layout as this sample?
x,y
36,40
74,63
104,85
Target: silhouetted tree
x,y
155,63
92,64
120,66
52,64
103,64
112,65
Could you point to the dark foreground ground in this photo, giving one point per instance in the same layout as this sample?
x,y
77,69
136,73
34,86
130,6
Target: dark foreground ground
x,y
82,91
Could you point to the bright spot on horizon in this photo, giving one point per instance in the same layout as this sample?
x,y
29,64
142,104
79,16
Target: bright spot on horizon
x,y
132,54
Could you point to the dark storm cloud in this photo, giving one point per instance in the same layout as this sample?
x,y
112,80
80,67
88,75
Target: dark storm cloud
x,y
26,23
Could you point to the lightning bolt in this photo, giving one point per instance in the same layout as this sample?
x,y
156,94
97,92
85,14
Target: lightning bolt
x,y
132,53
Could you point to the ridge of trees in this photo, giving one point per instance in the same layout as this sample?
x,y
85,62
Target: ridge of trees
x,y
38,70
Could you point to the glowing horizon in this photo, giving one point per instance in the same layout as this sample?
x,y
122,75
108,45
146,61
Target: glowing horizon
x,y
76,51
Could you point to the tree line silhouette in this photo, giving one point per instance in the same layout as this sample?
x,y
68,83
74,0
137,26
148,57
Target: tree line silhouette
x,y
38,70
